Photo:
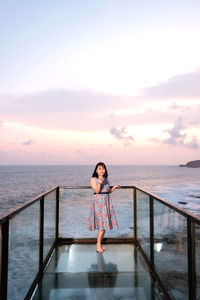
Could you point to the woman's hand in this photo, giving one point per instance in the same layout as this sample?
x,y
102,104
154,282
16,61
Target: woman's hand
x,y
96,184
114,187
100,181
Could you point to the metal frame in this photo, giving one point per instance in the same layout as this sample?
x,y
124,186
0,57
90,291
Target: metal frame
x,y
57,211
191,221
135,212
191,259
111,240
151,225
4,260
41,235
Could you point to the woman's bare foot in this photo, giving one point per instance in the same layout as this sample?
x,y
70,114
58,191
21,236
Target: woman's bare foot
x,y
99,249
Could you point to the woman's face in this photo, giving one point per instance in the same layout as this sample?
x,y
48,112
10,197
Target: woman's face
x,y
101,171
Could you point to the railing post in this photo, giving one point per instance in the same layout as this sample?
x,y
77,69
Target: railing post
x,y
136,266
41,235
135,212
191,260
4,260
57,211
151,209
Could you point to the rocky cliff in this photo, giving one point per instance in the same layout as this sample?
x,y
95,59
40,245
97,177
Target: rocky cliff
x,y
192,164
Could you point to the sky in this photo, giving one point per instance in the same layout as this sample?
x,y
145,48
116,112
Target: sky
x,y
111,80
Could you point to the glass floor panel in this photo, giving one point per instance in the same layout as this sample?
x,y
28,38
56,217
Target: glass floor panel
x,y
77,271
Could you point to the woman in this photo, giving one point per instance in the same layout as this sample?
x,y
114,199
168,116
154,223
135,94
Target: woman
x,y
102,214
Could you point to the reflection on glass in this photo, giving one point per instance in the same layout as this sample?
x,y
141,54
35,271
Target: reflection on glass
x,y
143,221
118,273
170,250
74,212
197,252
102,278
23,251
49,222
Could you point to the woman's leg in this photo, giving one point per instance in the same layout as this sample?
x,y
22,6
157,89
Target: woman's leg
x,y
103,248
100,236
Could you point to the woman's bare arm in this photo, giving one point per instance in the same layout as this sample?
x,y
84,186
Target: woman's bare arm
x,y
113,188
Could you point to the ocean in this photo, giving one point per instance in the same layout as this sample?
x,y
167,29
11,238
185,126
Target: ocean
x,y
175,184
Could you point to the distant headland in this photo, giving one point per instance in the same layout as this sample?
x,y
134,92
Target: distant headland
x,y
192,164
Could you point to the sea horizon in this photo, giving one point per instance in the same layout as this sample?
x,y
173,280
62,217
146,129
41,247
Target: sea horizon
x,y
111,165
20,183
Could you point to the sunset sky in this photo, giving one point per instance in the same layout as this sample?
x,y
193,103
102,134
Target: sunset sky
x,y
112,80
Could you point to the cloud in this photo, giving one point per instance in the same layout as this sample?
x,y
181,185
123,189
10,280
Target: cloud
x,y
121,134
192,144
174,106
178,137
27,143
85,110
61,100
62,109
180,86
118,133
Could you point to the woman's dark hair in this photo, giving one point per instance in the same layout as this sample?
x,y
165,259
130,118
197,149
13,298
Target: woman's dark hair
x,y
95,170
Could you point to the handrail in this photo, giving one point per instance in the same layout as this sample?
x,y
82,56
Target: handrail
x,y
26,204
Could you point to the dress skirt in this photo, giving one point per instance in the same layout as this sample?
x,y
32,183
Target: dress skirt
x,y
102,214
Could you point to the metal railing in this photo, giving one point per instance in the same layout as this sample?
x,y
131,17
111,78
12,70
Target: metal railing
x,y
178,232
15,235
168,237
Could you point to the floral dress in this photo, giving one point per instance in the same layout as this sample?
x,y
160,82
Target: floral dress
x,y
102,214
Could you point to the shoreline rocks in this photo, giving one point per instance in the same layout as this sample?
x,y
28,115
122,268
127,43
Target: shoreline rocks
x,y
192,164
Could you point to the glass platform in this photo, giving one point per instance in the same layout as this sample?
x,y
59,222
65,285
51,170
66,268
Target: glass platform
x,y
34,265
77,271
